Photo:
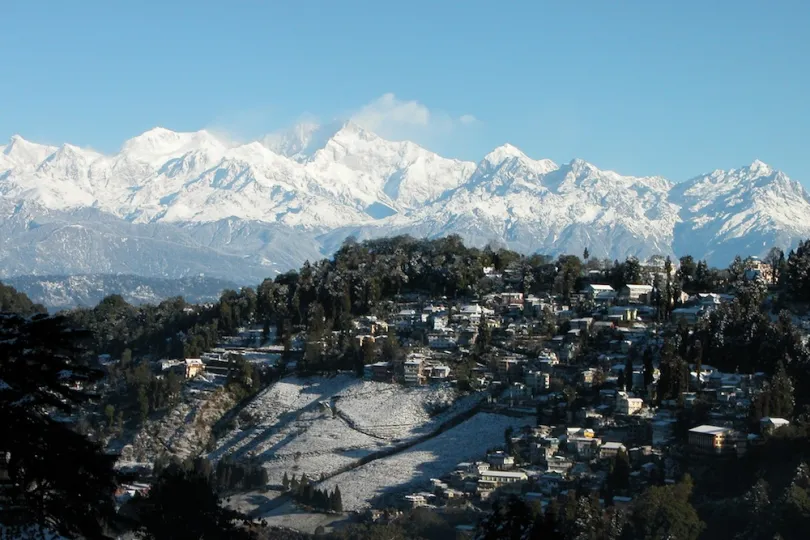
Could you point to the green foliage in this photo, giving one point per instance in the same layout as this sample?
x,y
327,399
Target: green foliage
x,y
12,301
618,479
665,512
244,379
240,476
649,369
172,329
687,269
184,504
777,399
60,479
568,276
674,373
797,272
307,494
109,414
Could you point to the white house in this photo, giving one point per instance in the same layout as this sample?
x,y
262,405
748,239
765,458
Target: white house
x,y
592,290
636,293
770,424
413,371
629,405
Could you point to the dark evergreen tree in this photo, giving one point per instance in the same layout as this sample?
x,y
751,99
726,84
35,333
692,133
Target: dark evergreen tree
x,y
336,500
649,369
780,393
60,479
628,373
183,504
686,272
665,512
619,475
631,271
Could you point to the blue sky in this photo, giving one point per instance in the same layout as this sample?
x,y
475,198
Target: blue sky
x,y
641,87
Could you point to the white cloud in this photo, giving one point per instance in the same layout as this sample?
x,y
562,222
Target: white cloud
x,y
391,117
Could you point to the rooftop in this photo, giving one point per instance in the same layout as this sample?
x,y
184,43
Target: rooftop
x,y
506,474
596,287
613,445
709,430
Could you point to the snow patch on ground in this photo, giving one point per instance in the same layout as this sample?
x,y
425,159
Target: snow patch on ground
x,y
319,426
414,467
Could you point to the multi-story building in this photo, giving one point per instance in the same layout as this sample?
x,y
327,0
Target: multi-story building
x,y
538,381
628,405
500,461
193,367
611,449
711,439
380,371
584,447
502,478
413,371
635,294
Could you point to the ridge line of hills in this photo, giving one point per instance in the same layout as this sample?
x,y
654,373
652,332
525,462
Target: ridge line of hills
x,y
172,205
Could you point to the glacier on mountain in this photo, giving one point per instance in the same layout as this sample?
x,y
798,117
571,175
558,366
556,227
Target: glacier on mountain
x,y
172,204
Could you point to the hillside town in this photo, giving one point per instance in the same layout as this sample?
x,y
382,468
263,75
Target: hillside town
x,y
603,386
580,375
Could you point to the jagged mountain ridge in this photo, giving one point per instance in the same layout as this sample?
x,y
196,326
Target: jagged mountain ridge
x,y
240,211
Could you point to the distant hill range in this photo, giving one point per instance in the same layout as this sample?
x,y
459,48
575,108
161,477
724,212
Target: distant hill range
x,y
64,292
173,205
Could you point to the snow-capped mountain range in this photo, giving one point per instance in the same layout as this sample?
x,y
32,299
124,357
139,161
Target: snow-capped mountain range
x,y
172,204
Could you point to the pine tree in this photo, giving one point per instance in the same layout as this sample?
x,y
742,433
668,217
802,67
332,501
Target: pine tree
x,y
184,504
628,373
109,412
507,438
621,382
336,500
781,393
649,369
619,475
583,522
318,499
303,484
308,495
59,477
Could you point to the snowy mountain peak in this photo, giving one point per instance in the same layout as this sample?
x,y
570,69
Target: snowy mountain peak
x,y
351,130
580,166
504,152
760,168
159,144
318,183
13,140
26,153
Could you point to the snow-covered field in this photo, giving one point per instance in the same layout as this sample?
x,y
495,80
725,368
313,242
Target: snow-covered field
x,y
390,411
319,425
417,465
